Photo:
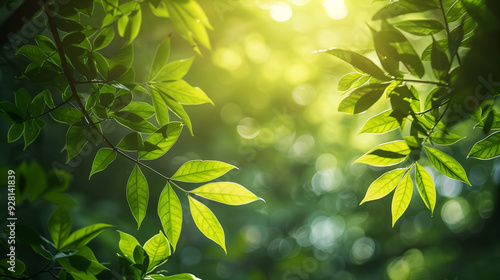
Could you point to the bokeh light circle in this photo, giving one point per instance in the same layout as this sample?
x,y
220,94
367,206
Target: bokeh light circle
x,y
281,11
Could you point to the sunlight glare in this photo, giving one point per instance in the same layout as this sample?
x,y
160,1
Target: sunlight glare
x,y
300,2
281,11
335,9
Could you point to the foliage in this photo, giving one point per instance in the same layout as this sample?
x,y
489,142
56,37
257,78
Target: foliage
x,y
86,91
427,115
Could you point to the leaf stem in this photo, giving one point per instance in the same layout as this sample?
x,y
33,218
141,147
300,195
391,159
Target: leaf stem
x,y
171,182
447,28
72,83
421,81
48,111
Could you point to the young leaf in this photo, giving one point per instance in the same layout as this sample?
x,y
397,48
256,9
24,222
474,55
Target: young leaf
x,y
158,250
102,159
131,142
383,185
352,80
358,61
487,148
137,194
446,164
361,99
134,122
439,61
226,192
160,141
170,213
160,58
380,123
442,138
386,154
198,171
420,27
127,245
402,198
83,236
60,223
425,187
206,222
15,132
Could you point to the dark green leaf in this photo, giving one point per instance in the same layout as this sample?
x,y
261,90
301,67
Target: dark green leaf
x,y
32,129
60,224
45,43
67,115
120,62
455,39
456,11
420,27
361,99
122,100
10,112
137,194
182,276
32,52
104,38
83,236
131,142
439,62
397,8
38,105
134,122
160,141
23,100
15,132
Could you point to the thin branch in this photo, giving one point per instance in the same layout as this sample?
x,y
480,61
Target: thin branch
x,y
67,72
447,27
421,82
48,111
431,109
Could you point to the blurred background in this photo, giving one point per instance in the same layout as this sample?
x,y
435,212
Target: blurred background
x,y
275,117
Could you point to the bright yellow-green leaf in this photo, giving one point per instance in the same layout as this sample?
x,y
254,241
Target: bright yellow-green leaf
x,y
183,93
174,70
198,171
361,99
82,236
160,141
442,138
207,223
160,59
60,223
384,185
447,165
352,80
102,159
386,154
127,244
158,250
380,123
487,148
137,194
170,213
226,192
402,198
425,187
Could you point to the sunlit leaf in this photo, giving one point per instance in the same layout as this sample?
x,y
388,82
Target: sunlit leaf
x,y
386,154
162,102
60,223
131,142
158,250
446,164
159,142
420,27
442,138
82,264
197,171
206,222
161,56
120,62
380,123
226,192
170,213
487,148
83,236
402,198
175,70
182,276
127,244
361,99
134,122
359,61
352,80
383,185
102,159
439,61
137,194
142,109
183,93
402,7
456,11
425,187
104,38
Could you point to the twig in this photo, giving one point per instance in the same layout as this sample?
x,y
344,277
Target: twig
x,y
448,32
421,82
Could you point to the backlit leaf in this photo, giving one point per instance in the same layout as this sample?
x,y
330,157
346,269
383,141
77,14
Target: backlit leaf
x,y
159,142
170,213
384,185
142,109
174,70
425,187
361,99
32,129
487,148
131,142
161,56
442,138
120,62
102,159
137,194
402,7
206,222
15,132
402,198
158,250
182,276
127,244
380,123
446,164
134,122
352,80
183,93
197,171
66,115
83,236
420,27
60,223
226,192
439,61
386,154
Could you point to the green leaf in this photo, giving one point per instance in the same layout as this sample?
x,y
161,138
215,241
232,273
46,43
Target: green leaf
x,y
67,115
32,129
60,224
380,123
37,105
455,39
456,11
402,198
32,52
104,38
358,61
162,101
131,142
170,213
102,159
383,185
226,192
425,187
439,61
446,164
198,171
83,264
134,122
160,141
420,27
76,139
137,194
160,58
48,98
45,43
426,54
206,222
141,259
183,93
175,70
83,236
361,99
352,80
127,244
129,25
160,107
23,100
158,250
386,154
121,100
15,132
488,148
182,276
442,138
402,7
120,62
142,109
10,112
